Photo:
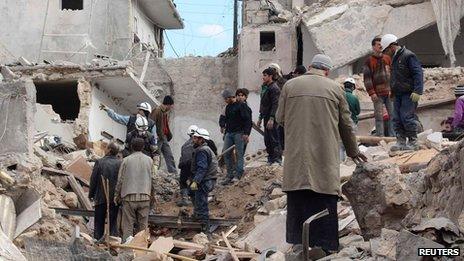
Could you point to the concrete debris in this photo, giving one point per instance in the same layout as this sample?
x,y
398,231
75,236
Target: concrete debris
x,y
71,200
385,245
201,239
408,245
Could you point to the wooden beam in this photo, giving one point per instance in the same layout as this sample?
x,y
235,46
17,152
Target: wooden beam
x,y
149,250
76,187
229,246
190,245
422,106
374,140
53,171
257,128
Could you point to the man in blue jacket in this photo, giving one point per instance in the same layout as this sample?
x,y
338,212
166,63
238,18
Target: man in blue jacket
x,y
407,84
204,169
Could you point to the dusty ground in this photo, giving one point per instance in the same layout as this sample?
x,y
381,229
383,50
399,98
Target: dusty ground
x,y
240,200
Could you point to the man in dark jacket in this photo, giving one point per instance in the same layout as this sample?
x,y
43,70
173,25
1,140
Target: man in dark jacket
x,y
185,166
160,116
407,84
108,168
204,169
237,130
242,96
270,93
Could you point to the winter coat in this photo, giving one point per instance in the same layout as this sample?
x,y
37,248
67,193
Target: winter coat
x,y
315,115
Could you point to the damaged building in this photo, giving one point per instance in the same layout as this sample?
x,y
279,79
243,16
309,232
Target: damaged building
x,y
290,33
76,30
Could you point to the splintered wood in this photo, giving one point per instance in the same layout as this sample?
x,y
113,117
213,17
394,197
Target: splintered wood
x,y
412,161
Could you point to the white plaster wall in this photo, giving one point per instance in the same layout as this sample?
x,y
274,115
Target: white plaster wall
x,y
99,120
145,28
252,61
30,26
47,120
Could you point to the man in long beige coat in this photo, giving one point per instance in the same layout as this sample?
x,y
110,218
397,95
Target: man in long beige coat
x,y
315,115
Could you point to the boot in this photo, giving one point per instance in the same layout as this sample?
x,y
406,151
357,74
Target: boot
x,y
184,201
413,144
400,144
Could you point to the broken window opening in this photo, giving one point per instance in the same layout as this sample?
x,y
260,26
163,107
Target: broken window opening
x,y
62,96
72,4
266,41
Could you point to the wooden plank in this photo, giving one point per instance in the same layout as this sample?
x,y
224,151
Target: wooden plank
x,y
374,140
162,245
8,251
145,66
413,160
190,245
149,250
53,171
229,246
422,106
76,187
80,168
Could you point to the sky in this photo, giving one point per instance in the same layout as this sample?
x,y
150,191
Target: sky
x,y
207,28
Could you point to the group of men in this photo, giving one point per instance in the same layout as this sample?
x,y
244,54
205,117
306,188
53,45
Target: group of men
x,y
308,114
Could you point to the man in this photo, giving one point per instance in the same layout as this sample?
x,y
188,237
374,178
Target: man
x,y
353,101
270,93
315,115
135,189
141,131
242,96
458,118
106,168
161,117
299,70
237,130
144,110
204,169
185,166
376,73
278,75
407,83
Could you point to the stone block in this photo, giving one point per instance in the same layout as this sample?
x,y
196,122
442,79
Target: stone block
x,y
71,200
408,245
277,193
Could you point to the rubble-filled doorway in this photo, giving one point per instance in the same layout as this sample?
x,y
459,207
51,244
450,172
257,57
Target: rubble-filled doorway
x,y
62,96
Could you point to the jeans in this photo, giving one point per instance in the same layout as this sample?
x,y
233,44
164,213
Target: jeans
x,y
229,140
404,116
165,149
378,113
272,142
201,210
100,217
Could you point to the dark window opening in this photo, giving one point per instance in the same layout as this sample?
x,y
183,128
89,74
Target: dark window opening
x,y
62,96
72,4
299,54
266,41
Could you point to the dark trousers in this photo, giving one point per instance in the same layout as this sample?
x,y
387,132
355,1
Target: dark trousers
x,y
282,137
165,149
323,232
99,220
201,210
404,116
185,175
272,143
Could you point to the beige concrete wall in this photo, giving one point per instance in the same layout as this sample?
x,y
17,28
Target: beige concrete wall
x,y
252,61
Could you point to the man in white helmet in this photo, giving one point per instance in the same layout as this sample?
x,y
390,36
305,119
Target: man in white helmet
x,y
407,85
315,115
141,131
143,109
204,169
185,166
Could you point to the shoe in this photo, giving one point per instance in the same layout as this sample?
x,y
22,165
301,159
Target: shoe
x,y
227,181
183,202
400,144
413,144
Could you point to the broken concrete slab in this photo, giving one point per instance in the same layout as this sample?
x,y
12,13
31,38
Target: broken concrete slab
x,y
269,233
408,245
28,210
440,223
385,245
8,251
7,216
379,196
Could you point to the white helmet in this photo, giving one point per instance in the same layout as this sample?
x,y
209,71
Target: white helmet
x,y
350,80
387,40
276,67
192,129
202,133
141,123
144,106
